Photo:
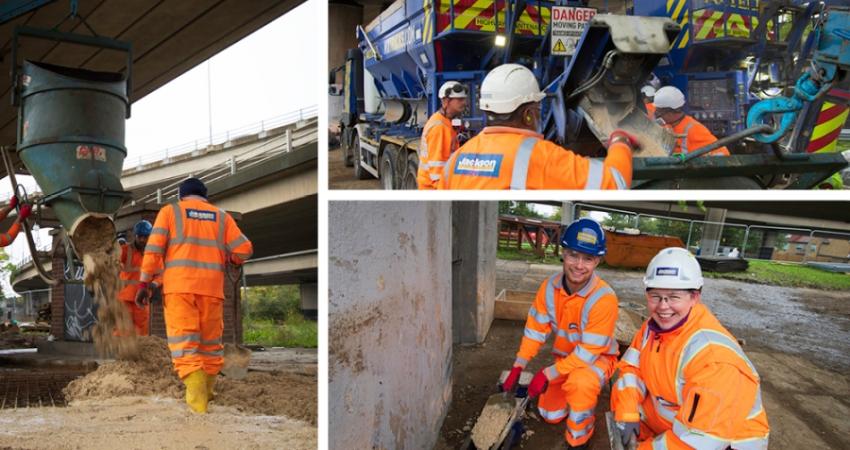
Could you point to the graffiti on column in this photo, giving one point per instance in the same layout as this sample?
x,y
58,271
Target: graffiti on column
x,y
80,308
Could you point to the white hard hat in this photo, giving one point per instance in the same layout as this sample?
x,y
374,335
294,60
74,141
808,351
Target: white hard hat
x,y
507,87
648,91
452,89
673,268
669,97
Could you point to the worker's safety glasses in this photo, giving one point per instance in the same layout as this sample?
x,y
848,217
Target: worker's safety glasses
x,y
457,89
673,299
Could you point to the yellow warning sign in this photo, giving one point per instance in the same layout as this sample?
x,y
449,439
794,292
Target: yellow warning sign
x,y
559,47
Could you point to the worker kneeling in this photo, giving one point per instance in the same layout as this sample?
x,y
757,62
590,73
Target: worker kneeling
x,y
581,311
193,241
685,382
691,134
510,154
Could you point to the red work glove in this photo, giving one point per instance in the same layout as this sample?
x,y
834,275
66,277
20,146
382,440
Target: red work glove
x,y
13,202
538,384
143,295
25,211
623,135
511,380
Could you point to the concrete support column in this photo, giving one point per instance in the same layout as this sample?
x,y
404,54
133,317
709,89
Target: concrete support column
x,y
474,241
310,300
711,232
567,213
389,322
768,244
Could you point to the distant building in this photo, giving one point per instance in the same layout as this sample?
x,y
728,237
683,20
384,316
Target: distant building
x,y
819,249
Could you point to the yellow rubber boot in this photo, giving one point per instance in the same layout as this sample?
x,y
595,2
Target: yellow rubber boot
x,y
196,391
210,386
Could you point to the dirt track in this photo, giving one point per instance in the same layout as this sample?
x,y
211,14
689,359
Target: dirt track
x,y
342,177
797,338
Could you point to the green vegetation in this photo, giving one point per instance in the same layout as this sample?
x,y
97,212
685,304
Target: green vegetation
x,y
527,254
788,275
271,316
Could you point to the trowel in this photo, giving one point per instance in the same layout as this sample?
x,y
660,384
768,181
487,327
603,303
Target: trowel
x,y
511,408
614,438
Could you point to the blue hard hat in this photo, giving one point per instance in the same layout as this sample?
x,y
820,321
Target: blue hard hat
x,y
143,228
586,236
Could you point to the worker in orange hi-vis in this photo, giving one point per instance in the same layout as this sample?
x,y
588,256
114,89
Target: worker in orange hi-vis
x,y
684,382
648,94
131,264
510,154
669,108
9,236
580,309
439,138
191,243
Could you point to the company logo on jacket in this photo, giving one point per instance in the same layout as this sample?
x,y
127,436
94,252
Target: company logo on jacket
x,y
201,215
483,165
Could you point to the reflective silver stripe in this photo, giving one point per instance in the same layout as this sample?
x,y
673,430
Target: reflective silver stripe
x,y
571,337
183,352
699,341
588,304
618,178
159,230
194,264
685,139
437,163
580,416
630,380
632,357
520,362
559,352
552,415
580,433
757,407
614,348
194,337
645,338
585,355
243,256
535,335
550,299
542,319
594,174
519,177
591,283
434,177
236,242
199,242
599,374
154,249
664,408
552,372
178,221
660,442
594,339
222,222
212,353
759,443
212,342
448,167
699,439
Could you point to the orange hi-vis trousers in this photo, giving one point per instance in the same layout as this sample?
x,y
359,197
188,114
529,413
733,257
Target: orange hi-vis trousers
x,y
194,324
140,317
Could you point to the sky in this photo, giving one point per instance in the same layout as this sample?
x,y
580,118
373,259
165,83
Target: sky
x,y
265,75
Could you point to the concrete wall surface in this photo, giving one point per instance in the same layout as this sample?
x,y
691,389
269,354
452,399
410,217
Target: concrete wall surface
x,y
474,242
389,323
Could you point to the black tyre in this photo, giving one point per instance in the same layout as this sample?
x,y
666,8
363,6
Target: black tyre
x,y
345,143
359,172
388,168
409,181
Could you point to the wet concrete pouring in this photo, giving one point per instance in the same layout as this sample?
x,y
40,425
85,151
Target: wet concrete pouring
x,y
798,340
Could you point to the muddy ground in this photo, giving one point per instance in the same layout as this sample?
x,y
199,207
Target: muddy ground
x,y
342,177
797,338
275,406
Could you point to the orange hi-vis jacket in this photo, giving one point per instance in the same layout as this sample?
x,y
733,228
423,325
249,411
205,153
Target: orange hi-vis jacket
x,y
650,110
8,237
191,240
582,322
131,264
693,387
513,158
696,137
439,140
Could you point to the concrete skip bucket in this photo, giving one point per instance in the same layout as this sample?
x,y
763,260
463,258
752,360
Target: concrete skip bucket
x,y
71,139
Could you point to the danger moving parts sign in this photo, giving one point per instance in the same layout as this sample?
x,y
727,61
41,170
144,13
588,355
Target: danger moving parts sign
x,y
567,26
